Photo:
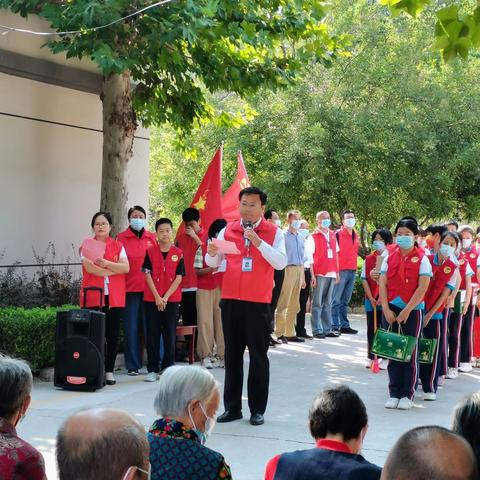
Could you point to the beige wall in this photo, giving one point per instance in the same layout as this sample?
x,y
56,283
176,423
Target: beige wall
x,y
50,174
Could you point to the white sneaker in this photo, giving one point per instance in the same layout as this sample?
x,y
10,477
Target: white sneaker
x,y
452,373
151,377
477,363
392,403
206,363
430,396
441,380
220,363
383,363
405,404
465,367
368,363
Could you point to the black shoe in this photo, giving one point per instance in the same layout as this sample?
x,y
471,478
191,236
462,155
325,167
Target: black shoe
x,y
319,335
274,342
295,339
133,373
348,330
306,336
110,382
332,334
227,416
283,339
256,419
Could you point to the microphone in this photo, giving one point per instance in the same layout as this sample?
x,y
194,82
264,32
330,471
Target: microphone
x,y
246,226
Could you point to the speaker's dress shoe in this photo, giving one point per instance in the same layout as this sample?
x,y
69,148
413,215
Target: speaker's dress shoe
x,y
227,416
257,419
349,330
295,339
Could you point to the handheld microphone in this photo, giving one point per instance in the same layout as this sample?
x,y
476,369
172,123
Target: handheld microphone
x,y
246,226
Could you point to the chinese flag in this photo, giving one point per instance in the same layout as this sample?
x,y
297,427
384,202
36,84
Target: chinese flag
x,y
230,200
208,199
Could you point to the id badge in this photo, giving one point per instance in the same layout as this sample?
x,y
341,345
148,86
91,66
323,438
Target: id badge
x,y
247,264
329,253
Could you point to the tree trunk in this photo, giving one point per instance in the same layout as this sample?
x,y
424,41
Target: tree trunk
x,y
119,124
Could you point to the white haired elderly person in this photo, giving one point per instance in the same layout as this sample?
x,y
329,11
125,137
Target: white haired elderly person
x,y
18,459
187,403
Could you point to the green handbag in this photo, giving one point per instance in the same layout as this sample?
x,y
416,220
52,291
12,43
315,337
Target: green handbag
x,y
426,349
395,346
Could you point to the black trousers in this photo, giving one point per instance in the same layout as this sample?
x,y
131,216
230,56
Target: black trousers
x,y
161,324
429,372
246,324
443,341
466,336
304,294
188,308
455,323
113,319
278,276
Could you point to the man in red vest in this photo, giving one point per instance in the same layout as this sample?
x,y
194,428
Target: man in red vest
x,y
246,295
348,244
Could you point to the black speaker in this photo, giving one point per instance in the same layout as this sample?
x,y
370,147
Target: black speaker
x,y
80,350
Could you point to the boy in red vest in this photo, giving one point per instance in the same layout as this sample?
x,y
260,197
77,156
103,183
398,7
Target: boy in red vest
x,y
164,269
246,295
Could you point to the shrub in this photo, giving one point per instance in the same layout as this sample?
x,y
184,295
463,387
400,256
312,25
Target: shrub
x,y
358,294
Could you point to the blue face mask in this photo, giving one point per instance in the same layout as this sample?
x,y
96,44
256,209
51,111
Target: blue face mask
x,y
378,245
405,241
326,222
446,250
304,232
350,222
296,224
137,223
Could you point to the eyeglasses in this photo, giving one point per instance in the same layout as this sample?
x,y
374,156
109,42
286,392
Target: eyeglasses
x,y
104,224
148,474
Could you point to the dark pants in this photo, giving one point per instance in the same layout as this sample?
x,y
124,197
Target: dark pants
x,y
403,375
188,308
278,276
113,318
371,329
246,324
466,336
429,372
161,324
455,322
134,320
443,344
304,294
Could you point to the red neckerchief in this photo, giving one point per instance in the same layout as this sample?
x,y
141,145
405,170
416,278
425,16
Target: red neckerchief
x,y
333,445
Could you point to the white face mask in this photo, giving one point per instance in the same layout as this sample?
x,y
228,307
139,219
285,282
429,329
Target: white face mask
x,y
278,222
467,243
350,222
148,474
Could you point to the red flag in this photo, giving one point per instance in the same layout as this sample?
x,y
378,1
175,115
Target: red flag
x,y
208,199
230,200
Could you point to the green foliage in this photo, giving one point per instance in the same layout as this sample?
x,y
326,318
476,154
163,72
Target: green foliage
x,y
30,334
178,51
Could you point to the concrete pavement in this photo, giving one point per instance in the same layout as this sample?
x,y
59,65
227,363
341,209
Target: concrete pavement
x,y
298,372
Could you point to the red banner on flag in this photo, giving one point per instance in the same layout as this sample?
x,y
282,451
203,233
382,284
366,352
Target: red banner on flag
x,y
230,200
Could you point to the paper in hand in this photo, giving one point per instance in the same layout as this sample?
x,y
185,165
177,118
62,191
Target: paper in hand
x,y
226,247
92,249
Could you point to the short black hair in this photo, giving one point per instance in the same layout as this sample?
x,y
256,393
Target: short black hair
x,y
408,222
135,207
386,235
435,228
190,214
105,214
337,410
161,221
453,235
453,222
269,213
216,226
254,191
466,422
347,211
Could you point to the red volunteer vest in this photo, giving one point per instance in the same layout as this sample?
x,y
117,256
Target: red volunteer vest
x,y
116,283
370,263
471,256
321,263
441,275
402,273
164,271
189,249
348,246
210,281
462,268
254,286
136,249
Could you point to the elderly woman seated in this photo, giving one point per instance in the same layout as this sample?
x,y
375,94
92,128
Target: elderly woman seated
x,y
18,459
187,403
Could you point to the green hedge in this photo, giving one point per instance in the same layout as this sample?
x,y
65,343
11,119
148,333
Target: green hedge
x,y
30,334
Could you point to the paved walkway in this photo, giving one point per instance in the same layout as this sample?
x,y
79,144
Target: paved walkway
x,y
298,371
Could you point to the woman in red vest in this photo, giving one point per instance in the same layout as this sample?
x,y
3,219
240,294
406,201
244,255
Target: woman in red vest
x,y
136,239
404,279
107,273
164,269
443,283
381,239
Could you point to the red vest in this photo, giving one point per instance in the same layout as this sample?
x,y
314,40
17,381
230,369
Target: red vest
x,y
370,264
211,281
164,271
441,275
462,268
116,283
136,248
189,249
321,263
348,246
471,256
402,274
254,286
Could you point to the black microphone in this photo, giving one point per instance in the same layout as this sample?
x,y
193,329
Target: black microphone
x,y
246,226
